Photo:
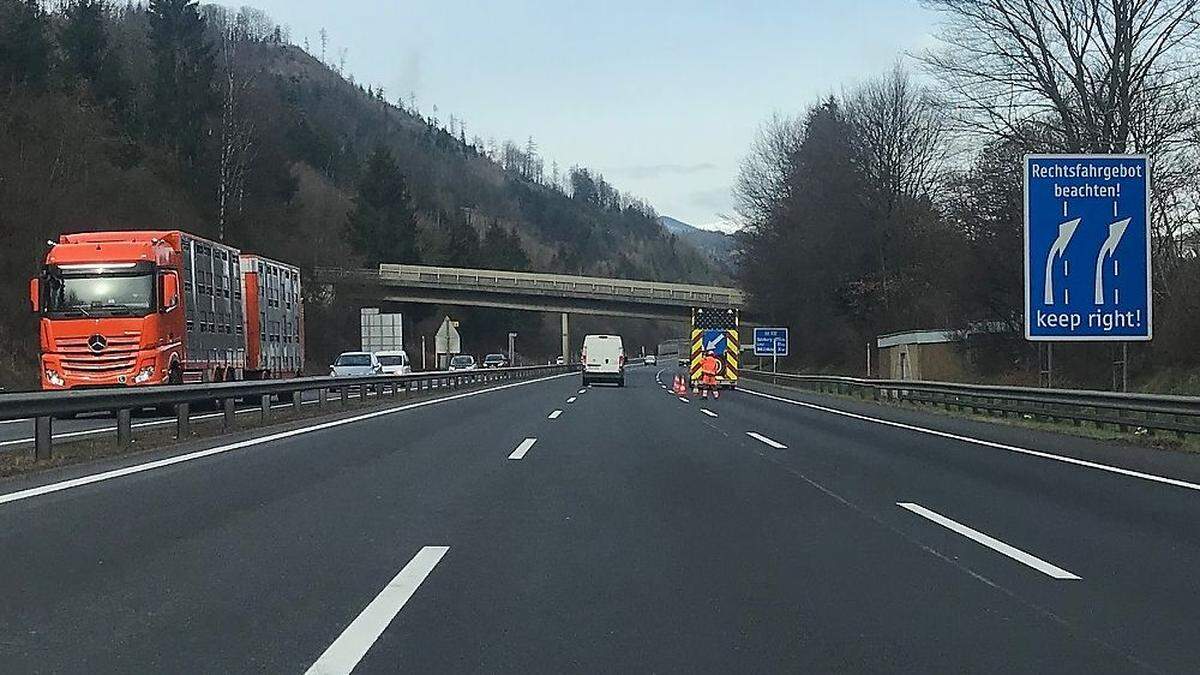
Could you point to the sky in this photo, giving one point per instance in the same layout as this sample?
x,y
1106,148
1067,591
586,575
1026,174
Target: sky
x,y
663,97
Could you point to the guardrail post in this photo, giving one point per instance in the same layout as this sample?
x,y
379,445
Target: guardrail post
x,y
264,408
43,438
322,397
229,412
344,393
124,426
182,419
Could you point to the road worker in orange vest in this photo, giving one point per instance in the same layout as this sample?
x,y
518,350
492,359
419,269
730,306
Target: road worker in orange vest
x,y
709,368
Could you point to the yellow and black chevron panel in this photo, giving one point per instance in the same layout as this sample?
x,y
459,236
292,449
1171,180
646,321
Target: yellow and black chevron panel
x,y
731,355
697,349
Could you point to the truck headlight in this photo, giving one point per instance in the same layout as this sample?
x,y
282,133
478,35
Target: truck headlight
x,y
144,375
54,378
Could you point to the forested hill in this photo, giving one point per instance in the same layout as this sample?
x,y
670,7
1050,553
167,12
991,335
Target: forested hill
x,y
174,115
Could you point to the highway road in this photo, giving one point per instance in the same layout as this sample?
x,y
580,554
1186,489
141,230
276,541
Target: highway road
x,y
538,527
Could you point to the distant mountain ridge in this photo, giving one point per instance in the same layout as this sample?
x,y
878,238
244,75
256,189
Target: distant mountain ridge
x,y
716,246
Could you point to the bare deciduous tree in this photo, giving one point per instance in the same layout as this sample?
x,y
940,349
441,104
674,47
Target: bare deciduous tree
x,y
237,127
1103,75
901,130
763,180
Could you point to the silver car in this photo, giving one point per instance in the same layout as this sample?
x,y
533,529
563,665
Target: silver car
x,y
463,362
355,364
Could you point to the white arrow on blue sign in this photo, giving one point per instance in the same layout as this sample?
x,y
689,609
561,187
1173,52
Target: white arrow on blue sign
x,y
1087,247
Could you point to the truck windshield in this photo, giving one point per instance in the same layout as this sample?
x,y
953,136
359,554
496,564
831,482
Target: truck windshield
x,y
100,294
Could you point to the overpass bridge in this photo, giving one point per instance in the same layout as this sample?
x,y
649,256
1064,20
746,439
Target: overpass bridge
x,y
538,292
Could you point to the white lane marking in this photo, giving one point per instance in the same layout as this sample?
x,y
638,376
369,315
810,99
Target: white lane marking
x,y
990,542
23,419
571,400
763,439
554,415
708,412
523,448
683,399
583,391
250,442
990,444
354,642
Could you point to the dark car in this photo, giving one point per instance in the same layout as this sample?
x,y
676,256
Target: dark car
x,y
495,361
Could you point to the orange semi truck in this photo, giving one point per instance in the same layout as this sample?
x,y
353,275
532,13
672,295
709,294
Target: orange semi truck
x,y
164,307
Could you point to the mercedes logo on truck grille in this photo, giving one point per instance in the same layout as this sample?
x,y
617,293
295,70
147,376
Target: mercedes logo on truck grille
x,y
97,343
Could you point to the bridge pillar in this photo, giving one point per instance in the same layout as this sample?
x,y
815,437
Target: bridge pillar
x,y
566,340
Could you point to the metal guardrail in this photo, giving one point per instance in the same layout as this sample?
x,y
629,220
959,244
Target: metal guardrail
x,y
44,406
499,281
1162,412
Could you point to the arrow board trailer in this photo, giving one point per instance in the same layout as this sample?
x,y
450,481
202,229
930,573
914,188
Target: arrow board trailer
x,y
1087,248
715,329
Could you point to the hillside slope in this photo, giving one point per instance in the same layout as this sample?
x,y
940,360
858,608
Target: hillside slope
x,y
717,247
209,121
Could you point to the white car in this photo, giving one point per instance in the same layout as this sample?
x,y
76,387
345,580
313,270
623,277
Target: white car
x,y
603,359
463,362
651,360
355,364
394,362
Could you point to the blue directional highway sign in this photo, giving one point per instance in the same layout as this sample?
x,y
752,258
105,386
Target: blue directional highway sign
x,y
770,342
1087,247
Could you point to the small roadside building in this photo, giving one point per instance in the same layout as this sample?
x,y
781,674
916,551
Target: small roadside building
x,y
920,355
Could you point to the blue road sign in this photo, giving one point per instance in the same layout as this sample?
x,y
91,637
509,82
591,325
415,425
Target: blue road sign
x,y
770,342
715,341
1087,247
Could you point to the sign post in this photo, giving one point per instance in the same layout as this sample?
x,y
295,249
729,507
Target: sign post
x,y
1087,249
771,342
447,341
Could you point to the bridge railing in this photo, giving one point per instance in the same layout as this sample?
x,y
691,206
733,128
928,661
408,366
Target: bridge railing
x,y
505,281
1180,414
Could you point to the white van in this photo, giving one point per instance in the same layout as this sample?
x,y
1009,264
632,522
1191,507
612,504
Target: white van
x,y
603,359
394,362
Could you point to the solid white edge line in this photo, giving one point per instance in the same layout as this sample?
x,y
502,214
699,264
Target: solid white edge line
x,y
708,412
990,444
352,645
990,542
523,448
763,439
554,415
199,454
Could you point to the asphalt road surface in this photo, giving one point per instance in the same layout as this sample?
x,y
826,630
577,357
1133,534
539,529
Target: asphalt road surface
x,y
538,527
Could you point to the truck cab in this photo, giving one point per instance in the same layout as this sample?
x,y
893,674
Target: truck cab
x,y
109,311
